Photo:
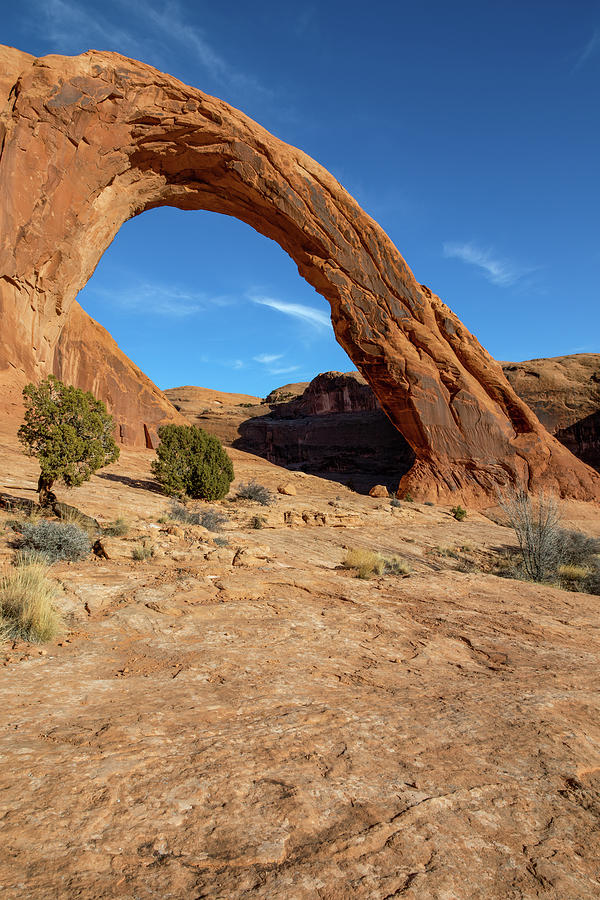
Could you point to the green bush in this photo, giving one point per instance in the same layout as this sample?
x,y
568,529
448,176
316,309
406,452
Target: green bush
x,y
118,528
55,540
69,431
459,513
192,463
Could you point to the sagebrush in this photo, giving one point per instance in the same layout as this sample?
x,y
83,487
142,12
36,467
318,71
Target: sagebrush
x,y
55,540
252,490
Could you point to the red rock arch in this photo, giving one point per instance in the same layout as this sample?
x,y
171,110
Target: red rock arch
x,y
88,142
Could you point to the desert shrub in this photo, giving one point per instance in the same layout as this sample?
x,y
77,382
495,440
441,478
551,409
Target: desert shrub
x,y
393,565
220,542
429,503
252,490
27,609
408,498
535,522
366,562
69,431
577,548
118,528
192,463
213,519
395,502
257,522
459,513
142,551
55,540
548,551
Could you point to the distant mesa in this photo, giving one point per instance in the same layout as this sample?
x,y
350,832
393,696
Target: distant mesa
x,y
88,142
334,426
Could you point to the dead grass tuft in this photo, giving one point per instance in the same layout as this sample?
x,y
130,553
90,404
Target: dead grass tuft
x,y
27,609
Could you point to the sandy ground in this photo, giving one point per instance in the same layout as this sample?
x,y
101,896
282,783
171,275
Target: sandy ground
x,y
277,728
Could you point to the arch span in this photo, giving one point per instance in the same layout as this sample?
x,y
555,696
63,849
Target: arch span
x,y
90,141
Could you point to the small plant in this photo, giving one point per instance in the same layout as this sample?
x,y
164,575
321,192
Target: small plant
x,y
142,551
29,558
429,503
213,519
408,498
393,565
366,562
536,525
118,528
69,431
252,490
459,513
369,563
27,609
55,540
395,502
220,542
190,462
257,522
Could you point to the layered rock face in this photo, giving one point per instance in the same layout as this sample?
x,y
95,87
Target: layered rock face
x,y
336,429
89,142
564,393
86,356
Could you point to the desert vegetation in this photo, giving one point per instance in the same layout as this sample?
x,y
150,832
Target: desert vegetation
x,y
256,492
192,463
54,540
69,432
368,563
27,610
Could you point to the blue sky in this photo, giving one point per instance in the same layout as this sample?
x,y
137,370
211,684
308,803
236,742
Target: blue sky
x,y
470,131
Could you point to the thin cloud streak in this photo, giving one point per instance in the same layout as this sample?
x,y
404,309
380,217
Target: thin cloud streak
x,y
160,300
499,271
71,27
284,370
266,358
592,46
313,317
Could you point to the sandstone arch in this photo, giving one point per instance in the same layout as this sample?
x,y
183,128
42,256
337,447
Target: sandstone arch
x,y
88,142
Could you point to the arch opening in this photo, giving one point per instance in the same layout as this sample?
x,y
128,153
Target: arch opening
x,y
120,138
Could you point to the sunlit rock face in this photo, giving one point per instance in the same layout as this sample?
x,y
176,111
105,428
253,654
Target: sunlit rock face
x,y
88,142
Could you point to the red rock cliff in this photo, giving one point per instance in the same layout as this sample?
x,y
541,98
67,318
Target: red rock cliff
x,y
88,142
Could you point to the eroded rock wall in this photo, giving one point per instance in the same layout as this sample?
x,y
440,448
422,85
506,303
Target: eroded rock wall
x,y
88,142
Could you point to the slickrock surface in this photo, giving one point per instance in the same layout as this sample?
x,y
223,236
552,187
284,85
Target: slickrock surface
x,y
88,142
564,393
89,358
251,721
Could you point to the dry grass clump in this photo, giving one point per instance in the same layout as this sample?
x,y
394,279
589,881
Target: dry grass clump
x,y
368,563
142,551
27,609
256,492
118,528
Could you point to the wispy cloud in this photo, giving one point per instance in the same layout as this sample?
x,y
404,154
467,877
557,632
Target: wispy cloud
x,y
161,300
160,31
283,370
499,271
268,358
317,318
589,50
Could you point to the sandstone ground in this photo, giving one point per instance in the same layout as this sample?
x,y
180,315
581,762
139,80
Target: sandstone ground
x,y
279,728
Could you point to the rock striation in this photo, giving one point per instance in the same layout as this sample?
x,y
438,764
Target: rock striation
x,y
564,393
88,142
